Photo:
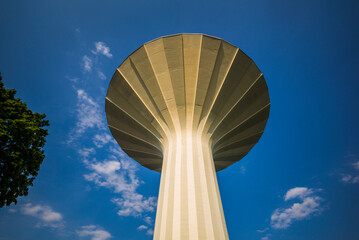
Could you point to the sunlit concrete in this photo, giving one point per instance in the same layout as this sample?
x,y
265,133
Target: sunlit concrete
x,y
188,105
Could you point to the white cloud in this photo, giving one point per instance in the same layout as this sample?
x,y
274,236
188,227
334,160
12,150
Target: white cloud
x,y
149,232
12,210
107,174
48,217
86,152
87,63
120,176
117,172
101,75
351,176
298,192
95,232
148,220
101,48
88,114
267,235
134,204
142,227
102,139
348,178
356,165
283,218
264,230
355,179
73,79
117,153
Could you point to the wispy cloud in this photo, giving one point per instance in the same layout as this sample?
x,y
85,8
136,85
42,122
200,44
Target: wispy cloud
x,y
148,220
94,232
47,216
101,75
86,64
298,192
149,232
108,174
101,48
351,174
102,139
73,79
118,173
134,204
142,227
349,178
86,152
88,114
356,165
310,204
108,166
263,230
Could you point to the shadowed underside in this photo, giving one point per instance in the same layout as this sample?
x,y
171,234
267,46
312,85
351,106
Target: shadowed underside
x,y
187,79
188,105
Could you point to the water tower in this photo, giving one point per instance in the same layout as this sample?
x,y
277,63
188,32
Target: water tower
x,y
188,105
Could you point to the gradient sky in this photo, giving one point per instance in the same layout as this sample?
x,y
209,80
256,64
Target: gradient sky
x,y
301,181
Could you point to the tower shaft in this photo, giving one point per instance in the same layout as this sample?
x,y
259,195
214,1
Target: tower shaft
x,y
189,203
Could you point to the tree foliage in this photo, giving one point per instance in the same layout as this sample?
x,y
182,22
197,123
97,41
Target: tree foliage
x,y
22,137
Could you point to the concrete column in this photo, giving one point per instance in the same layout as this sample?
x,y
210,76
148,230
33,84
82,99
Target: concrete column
x,y
189,203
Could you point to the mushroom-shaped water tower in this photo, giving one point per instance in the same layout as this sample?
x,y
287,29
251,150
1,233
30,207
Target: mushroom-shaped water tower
x,y
188,105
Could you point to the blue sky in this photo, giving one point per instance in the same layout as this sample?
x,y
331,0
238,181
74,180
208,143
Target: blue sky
x,y
300,181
